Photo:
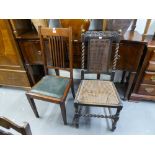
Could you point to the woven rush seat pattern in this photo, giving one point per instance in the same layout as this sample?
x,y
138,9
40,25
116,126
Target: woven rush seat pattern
x,y
97,92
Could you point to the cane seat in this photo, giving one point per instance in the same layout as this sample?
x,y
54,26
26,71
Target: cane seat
x,y
97,92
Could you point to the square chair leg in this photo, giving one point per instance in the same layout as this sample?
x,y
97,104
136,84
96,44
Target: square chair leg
x,y
63,112
33,106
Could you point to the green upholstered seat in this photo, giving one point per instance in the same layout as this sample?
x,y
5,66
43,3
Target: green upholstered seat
x,y
51,86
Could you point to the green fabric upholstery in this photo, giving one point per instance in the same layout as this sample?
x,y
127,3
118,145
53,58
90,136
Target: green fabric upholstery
x,y
51,86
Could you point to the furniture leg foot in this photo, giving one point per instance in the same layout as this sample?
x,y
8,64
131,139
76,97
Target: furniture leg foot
x,y
116,118
130,84
33,106
63,112
114,123
76,116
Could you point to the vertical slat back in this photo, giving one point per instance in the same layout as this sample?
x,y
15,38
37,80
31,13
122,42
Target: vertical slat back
x,y
57,51
56,47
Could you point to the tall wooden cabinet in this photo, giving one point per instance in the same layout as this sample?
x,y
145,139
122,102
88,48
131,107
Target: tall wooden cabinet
x,y
12,71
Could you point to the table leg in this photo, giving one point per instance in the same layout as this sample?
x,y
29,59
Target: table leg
x,y
129,87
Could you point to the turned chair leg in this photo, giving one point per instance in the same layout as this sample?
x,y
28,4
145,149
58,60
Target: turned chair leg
x,y
63,112
114,123
72,89
116,118
33,106
76,116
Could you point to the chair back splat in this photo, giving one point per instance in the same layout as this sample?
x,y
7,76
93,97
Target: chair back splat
x,y
96,52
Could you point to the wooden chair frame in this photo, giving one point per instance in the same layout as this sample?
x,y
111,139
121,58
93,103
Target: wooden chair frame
x,y
6,123
78,106
63,32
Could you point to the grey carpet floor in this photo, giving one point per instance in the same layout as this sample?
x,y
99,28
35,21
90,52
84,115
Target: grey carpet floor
x,y
135,118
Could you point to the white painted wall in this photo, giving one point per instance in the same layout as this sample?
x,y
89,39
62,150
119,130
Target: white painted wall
x,y
141,26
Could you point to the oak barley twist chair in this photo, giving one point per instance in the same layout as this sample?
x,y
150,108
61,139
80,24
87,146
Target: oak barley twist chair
x,y
7,124
56,48
97,47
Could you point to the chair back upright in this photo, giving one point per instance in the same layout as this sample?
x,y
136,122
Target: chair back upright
x,y
56,48
7,124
